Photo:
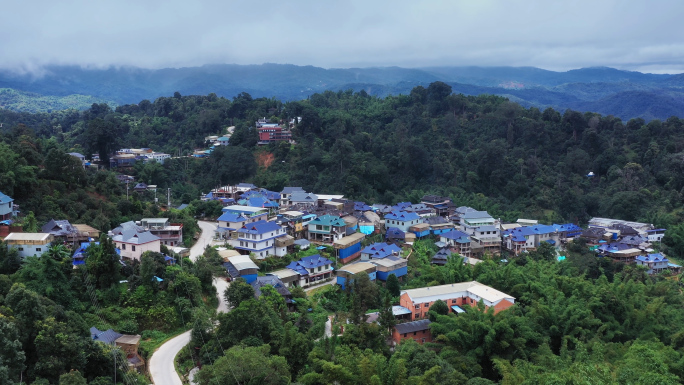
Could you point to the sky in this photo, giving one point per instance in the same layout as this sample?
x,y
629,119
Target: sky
x,y
642,36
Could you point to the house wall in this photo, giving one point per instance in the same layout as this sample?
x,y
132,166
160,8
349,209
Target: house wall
x,y
458,298
129,253
249,277
400,272
26,250
421,336
349,253
6,209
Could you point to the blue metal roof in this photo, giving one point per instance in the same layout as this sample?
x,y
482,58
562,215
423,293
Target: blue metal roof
x,y
657,257
381,250
259,227
457,309
454,235
4,198
402,216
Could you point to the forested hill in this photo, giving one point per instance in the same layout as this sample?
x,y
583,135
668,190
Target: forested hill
x,y
483,151
625,94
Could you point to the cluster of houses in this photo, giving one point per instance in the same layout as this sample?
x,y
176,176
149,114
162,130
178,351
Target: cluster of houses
x,y
127,157
212,142
258,224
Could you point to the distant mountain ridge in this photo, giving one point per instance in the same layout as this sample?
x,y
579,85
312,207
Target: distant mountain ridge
x,y
626,94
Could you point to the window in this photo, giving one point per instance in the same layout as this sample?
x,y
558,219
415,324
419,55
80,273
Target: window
x,y
21,249
38,249
123,246
133,248
453,301
241,243
254,245
417,315
418,306
405,334
261,236
427,305
319,268
414,333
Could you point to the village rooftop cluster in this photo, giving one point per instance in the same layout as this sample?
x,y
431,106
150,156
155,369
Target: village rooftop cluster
x,y
257,224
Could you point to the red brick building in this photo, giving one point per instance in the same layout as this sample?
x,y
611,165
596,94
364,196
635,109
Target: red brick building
x,y
418,301
416,330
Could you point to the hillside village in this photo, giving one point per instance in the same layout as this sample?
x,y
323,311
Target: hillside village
x,y
352,238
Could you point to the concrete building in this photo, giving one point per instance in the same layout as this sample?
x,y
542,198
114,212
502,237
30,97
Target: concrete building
x,y
260,238
134,240
418,331
29,244
455,295
170,234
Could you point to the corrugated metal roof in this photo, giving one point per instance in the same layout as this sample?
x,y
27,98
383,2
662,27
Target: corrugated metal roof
x,y
415,326
242,262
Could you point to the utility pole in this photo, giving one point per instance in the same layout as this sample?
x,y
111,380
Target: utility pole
x,y
127,188
168,197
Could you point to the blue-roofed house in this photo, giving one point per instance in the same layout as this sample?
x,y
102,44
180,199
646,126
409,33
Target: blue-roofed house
x,y
442,256
472,219
326,229
379,250
311,270
528,238
656,263
567,230
390,265
395,235
287,192
402,220
108,337
260,238
459,240
655,235
7,210
230,222
303,198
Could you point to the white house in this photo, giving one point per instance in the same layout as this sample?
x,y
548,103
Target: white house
x,y
260,238
29,244
402,220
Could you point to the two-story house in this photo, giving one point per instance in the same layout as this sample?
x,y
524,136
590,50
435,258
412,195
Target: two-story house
x,y
170,234
133,240
260,238
655,263
287,192
29,244
326,229
402,220
234,217
310,270
459,240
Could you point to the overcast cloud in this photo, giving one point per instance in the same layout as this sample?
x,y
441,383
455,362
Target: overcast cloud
x,y
557,35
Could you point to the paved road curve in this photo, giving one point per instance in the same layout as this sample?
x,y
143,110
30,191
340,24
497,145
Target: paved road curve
x,y
162,368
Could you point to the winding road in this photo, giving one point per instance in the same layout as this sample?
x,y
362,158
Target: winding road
x,y
162,367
